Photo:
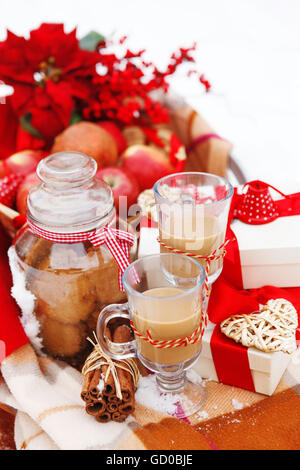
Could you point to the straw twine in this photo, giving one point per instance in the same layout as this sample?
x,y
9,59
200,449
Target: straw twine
x,y
99,358
271,329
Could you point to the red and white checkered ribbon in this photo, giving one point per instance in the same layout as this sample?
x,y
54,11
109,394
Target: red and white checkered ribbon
x,y
117,241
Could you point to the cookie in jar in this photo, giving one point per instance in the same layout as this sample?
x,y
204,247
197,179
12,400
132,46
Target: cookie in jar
x,y
67,262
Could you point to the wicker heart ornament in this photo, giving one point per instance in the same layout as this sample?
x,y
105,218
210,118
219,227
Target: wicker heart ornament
x,y
272,329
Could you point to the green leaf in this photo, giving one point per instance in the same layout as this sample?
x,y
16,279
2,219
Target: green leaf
x,y
25,122
75,117
91,41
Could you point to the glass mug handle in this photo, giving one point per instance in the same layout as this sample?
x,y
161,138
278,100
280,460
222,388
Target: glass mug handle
x,y
117,351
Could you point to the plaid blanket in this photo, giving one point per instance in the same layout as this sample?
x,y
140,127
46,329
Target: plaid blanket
x,y
45,395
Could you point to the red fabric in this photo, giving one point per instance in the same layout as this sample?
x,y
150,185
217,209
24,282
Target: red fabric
x,y
290,205
200,140
229,298
8,129
12,335
8,188
19,221
231,361
175,147
174,144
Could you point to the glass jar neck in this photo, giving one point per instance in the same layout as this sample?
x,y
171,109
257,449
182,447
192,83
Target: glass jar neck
x,y
91,225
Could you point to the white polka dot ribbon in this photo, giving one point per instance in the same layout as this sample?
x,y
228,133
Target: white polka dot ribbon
x,y
256,206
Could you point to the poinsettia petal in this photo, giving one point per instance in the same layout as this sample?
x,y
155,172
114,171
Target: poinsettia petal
x,y
80,88
62,101
47,122
50,40
22,97
82,63
13,64
42,98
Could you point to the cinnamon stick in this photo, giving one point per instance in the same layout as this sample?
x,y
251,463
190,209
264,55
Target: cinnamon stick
x,y
104,417
85,393
119,417
128,407
122,334
114,399
105,405
93,387
96,408
109,386
112,407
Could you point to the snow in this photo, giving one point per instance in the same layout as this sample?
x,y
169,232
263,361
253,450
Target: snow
x,y
148,394
193,377
101,383
26,300
202,415
237,405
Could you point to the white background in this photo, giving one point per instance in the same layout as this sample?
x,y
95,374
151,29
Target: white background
x,y
249,50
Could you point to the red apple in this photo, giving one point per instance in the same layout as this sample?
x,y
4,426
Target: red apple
x,y
122,183
116,134
147,164
29,181
89,138
21,163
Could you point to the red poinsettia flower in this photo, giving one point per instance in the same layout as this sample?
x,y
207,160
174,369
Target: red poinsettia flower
x,y
49,73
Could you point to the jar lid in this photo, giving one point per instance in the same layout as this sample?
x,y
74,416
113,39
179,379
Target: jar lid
x,y
69,197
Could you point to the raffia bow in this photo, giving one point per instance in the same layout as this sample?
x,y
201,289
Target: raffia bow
x,y
272,329
99,358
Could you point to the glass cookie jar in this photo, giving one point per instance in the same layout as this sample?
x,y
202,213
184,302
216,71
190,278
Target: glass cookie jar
x,y
70,280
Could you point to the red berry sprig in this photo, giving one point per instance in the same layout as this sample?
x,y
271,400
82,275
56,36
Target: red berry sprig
x,y
122,91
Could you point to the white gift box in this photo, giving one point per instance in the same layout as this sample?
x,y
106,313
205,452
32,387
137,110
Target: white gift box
x,y
270,253
148,244
266,368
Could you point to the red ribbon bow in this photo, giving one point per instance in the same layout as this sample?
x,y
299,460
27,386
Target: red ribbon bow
x,y
256,206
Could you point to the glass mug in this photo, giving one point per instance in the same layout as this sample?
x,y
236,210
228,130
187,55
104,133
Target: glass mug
x,y
167,304
193,212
